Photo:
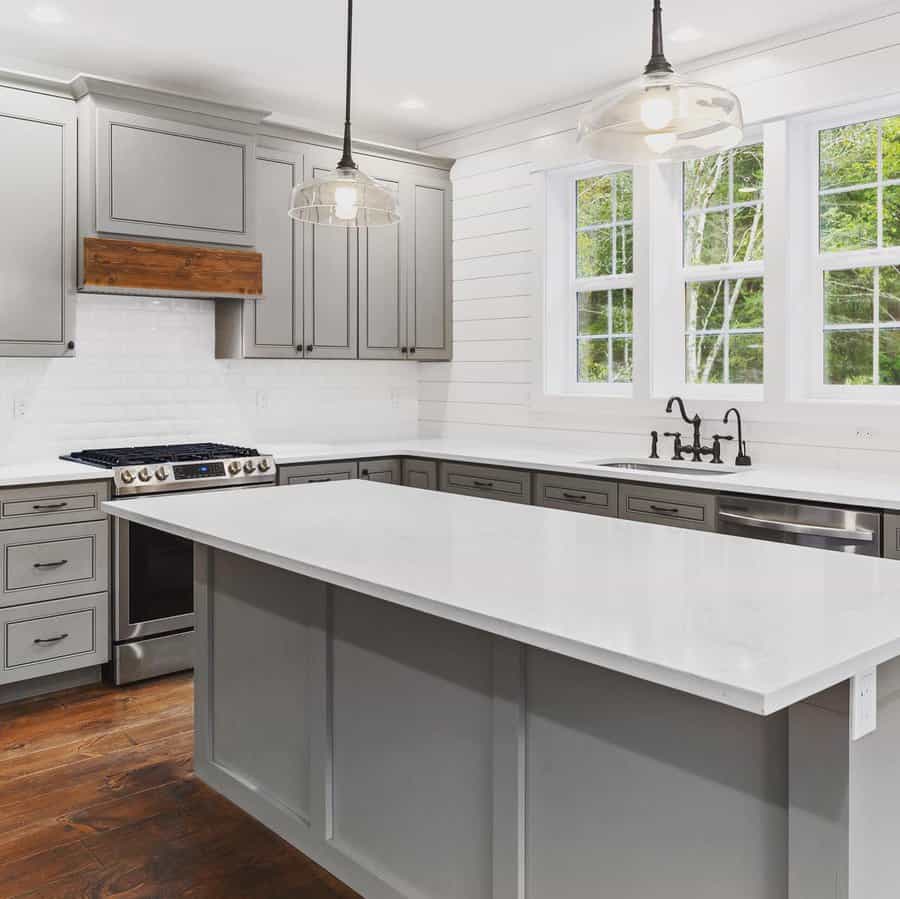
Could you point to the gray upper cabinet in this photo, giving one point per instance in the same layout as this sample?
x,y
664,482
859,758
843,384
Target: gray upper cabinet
x,y
271,327
37,256
330,262
430,277
158,177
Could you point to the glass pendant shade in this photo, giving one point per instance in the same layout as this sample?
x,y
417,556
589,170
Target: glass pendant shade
x,y
662,116
344,198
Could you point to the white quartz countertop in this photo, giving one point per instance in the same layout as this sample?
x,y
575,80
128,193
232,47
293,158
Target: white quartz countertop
x,y
826,485
755,625
49,471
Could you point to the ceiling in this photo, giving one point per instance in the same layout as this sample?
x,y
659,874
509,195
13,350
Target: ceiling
x,y
465,62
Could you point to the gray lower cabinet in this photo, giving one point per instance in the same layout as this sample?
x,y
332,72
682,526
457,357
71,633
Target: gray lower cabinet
x,y
317,472
891,535
507,484
38,173
385,471
54,579
271,327
575,494
659,505
421,473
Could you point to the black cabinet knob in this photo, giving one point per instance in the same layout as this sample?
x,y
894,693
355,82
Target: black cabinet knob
x,y
309,348
403,349
412,349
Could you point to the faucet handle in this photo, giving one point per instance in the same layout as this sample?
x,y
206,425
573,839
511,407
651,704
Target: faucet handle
x,y
717,447
677,448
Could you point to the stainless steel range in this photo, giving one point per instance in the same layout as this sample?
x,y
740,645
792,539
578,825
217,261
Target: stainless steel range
x,y
153,580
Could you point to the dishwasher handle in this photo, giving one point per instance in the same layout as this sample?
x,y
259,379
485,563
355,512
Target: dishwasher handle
x,y
849,535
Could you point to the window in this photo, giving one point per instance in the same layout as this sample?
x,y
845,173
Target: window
x,y
859,246
604,278
722,208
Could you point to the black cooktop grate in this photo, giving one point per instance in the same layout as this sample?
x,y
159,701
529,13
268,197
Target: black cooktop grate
x,y
154,455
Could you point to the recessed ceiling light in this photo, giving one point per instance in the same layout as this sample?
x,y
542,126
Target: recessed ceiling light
x,y
685,34
47,15
412,103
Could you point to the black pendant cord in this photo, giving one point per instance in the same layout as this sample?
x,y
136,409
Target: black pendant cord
x,y
346,161
658,61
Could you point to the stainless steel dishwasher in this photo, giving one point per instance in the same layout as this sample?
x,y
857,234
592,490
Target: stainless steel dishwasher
x,y
825,527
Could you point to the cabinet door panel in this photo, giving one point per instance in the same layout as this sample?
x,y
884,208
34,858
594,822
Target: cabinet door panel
x,y
385,471
162,178
37,183
429,306
276,320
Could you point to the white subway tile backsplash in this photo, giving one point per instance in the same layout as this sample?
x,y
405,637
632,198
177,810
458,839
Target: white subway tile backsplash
x,y
145,372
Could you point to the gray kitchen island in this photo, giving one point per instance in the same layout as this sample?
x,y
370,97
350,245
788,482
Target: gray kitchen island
x,y
442,697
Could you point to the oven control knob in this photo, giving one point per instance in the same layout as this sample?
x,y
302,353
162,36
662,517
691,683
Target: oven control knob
x,y
234,467
263,464
144,474
161,474
249,466
127,477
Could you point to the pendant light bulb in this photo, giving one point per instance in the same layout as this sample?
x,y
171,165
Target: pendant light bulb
x,y
344,197
661,116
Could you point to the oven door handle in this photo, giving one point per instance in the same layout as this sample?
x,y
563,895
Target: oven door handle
x,y
848,535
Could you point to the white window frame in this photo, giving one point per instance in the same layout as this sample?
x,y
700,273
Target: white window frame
x,y
808,380
563,285
730,271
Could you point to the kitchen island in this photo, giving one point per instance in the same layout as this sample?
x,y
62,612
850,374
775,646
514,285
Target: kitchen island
x,y
437,696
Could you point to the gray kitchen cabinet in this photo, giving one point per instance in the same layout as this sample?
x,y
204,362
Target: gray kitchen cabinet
x,y
429,306
575,494
421,473
507,484
665,505
385,471
891,535
330,278
159,174
317,472
270,327
26,507
38,171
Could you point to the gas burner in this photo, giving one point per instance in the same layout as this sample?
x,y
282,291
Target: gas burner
x,y
179,467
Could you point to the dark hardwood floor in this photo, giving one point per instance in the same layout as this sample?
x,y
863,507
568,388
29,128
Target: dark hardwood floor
x,y
98,799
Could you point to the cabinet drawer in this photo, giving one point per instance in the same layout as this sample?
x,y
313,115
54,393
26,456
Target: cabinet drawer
x,y
573,494
50,637
682,508
891,536
52,562
385,471
491,483
421,473
23,507
317,473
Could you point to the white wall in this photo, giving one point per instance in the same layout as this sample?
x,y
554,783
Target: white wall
x,y
145,372
494,386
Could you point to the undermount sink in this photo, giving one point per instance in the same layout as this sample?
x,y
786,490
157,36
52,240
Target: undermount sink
x,y
701,470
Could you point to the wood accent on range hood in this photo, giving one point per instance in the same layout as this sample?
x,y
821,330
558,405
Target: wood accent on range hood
x,y
165,269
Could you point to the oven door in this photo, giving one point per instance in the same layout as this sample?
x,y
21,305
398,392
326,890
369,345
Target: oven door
x,y
154,582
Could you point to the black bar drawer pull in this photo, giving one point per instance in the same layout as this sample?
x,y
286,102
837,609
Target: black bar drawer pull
x,y
487,485
318,480
665,510
58,564
48,507
58,639
575,497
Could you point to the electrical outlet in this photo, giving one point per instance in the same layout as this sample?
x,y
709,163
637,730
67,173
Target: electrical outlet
x,y
262,401
863,434
20,408
863,703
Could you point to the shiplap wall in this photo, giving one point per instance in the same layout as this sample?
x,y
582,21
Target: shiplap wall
x,y
493,387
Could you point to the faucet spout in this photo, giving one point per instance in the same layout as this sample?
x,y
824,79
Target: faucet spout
x,y
680,401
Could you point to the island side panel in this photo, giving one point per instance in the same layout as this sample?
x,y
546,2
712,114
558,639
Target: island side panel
x,y
637,790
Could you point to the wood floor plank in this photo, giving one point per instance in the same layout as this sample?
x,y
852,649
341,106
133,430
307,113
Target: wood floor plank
x,y
98,799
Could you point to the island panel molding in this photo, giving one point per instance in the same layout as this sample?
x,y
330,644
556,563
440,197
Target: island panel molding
x,y
128,266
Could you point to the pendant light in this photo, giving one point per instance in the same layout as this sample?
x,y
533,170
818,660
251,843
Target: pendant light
x,y
345,197
661,116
